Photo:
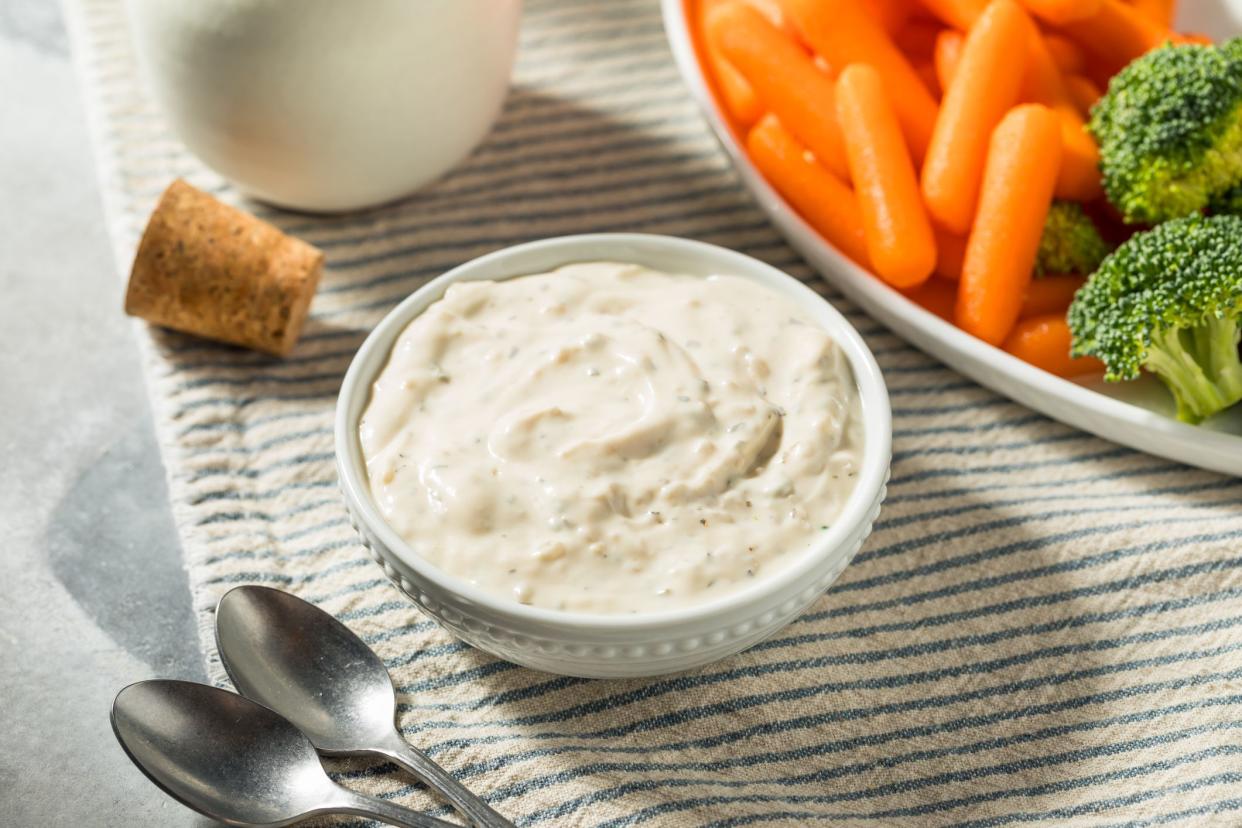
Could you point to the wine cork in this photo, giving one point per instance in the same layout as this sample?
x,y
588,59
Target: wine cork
x,y
208,269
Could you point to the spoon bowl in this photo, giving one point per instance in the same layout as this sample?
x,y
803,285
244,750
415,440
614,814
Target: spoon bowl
x,y
261,770
293,657
233,760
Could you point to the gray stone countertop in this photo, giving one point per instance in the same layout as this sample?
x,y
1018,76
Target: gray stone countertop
x,y
92,590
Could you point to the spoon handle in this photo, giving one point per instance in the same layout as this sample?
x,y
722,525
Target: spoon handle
x,y
421,765
350,802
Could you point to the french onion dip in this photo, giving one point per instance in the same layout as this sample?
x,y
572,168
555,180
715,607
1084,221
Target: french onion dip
x,y
608,438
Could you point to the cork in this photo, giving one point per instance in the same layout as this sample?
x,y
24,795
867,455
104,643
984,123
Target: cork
x,y
208,269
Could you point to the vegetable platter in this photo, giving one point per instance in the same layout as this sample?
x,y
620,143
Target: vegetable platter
x,y
907,198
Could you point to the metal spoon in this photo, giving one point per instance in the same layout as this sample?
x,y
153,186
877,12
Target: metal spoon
x,y
300,661
234,760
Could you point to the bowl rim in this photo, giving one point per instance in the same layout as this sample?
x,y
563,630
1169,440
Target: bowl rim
x,y
873,396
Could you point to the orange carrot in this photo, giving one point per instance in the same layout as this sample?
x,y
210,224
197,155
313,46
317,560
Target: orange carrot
x,y
824,200
935,295
1079,176
1021,172
1044,342
844,33
784,78
1083,92
1041,80
917,39
739,98
947,53
958,14
950,251
927,71
890,14
774,13
1050,294
1069,58
1059,12
984,86
823,65
1160,12
1116,34
899,235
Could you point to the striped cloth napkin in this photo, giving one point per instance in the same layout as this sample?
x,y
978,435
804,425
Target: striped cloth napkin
x,y
1044,627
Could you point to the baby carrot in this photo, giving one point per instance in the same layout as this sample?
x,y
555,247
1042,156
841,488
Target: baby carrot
x,y
1069,58
784,78
1050,294
927,71
899,235
1044,342
1159,11
772,10
935,295
820,197
947,53
958,14
1079,176
984,86
740,102
1116,34
1041,80
1058,12
843,32
739,98
890,14
1018,180
950,251
1083,92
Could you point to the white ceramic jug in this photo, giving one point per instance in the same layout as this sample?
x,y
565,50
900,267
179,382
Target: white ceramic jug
x,y
328,105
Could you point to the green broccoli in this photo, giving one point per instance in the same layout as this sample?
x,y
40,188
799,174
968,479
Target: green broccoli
x,y
1070,242
1170,130
1170,300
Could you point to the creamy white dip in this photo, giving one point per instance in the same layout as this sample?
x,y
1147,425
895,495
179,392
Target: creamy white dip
x,y
607,438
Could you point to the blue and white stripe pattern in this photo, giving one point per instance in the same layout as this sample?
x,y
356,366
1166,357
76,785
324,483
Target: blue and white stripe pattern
x,y
1044,628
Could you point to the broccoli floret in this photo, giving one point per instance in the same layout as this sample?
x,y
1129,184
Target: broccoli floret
x,y
1170,300
1070,242
1170,130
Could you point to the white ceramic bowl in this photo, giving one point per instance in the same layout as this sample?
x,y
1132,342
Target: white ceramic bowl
x,y
325,105
595,645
